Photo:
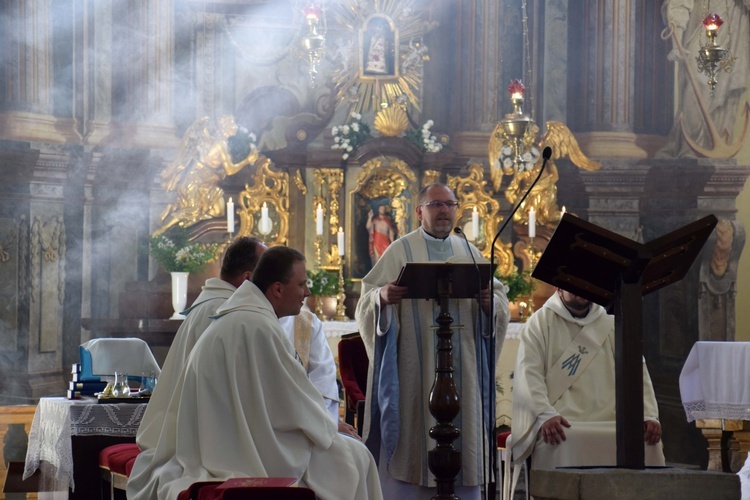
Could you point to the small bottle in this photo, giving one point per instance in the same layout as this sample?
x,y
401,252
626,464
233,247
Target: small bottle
x,y
121,389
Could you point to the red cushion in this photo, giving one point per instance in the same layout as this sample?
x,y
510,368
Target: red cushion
x,y
193,493
353,364
107,454
118,461
502,438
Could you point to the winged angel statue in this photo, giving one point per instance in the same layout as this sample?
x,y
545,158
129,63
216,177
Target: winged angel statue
x,y
207,155
543,197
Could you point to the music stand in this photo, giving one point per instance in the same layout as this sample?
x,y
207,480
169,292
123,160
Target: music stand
x,y
442,282
615,271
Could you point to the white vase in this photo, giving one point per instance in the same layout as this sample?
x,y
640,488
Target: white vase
x,y
179,294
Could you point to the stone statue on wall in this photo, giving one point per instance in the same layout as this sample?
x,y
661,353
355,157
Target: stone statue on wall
x,y
204,159
704,124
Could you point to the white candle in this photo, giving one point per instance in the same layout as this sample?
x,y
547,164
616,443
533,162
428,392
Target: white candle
x,y
319,220
264,221
475,223
532,222
230,216
341,241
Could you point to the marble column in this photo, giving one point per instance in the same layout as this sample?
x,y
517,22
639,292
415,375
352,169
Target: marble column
x,y
601,77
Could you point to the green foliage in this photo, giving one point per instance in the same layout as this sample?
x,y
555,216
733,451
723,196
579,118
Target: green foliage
x,y
175,253
322,282
519,284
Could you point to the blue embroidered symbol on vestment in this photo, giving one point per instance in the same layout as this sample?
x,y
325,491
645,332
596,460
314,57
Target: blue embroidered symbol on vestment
x,y
572,364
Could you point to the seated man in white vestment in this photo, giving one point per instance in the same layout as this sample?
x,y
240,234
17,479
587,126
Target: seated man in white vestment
x,y
564,389
400,341
246,407
304,330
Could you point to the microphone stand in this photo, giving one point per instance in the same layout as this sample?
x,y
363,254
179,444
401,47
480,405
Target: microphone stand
x,y
492,487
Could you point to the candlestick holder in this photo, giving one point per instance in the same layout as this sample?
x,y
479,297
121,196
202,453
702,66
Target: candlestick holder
x,y
532,262
318,251
341,296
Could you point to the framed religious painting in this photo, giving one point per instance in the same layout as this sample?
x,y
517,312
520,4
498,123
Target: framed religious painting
x,y
382,210
378,55
378,41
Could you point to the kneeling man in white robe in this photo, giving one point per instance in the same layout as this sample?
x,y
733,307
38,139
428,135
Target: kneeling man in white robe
x,y
248,409
564,389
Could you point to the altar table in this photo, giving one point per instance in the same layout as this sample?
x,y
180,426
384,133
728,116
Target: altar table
x,y
66,431
716,395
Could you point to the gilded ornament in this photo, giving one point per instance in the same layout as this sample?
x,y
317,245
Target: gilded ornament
x,y
391,121
543,196
206,156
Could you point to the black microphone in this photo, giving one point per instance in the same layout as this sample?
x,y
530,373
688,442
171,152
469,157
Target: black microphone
x,y
546,154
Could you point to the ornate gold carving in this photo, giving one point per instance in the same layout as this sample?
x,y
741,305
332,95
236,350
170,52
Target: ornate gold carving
x,y
272,188
365,75
202,161
543,196
299,182
471,193
333,178
389,178
430,177
391,121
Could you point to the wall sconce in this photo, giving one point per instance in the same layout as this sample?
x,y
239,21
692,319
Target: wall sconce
x,y
314,40
712,57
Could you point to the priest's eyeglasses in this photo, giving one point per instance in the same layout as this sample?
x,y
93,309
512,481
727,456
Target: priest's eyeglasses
x,y
440,204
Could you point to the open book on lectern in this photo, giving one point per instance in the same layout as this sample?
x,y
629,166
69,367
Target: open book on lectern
x,y
589,261
423,279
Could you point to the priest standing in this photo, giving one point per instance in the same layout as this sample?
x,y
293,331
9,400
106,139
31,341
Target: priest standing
x,y
246,406
400,341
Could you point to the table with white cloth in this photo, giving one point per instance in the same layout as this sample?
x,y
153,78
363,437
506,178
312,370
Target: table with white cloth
x,y
66,432
504,372
716,395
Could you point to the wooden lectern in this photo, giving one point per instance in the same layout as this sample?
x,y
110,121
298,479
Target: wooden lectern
x,y
443,282
617,272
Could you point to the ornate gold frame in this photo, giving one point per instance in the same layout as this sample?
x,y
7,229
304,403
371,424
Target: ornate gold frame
x,y
382,177
270,187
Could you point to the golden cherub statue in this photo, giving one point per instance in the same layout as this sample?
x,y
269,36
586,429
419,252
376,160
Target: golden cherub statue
x,y
543,197
204,159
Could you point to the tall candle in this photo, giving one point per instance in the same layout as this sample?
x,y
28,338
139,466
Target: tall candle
x,y
475,223
532,222
341,241
319,220
264,221
230,216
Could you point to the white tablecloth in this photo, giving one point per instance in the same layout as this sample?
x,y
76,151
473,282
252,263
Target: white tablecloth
x,y
56,420
714,381
335,329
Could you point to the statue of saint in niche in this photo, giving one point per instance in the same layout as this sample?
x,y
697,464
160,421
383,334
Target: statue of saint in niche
x,y
377,49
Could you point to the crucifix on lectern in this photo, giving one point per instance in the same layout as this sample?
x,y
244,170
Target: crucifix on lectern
x,y
614,271
443,282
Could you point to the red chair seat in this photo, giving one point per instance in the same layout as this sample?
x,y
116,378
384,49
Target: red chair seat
x,y
115,457
502,439
230,490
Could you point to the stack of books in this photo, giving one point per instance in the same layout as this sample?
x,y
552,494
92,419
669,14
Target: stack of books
x,y
81,385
